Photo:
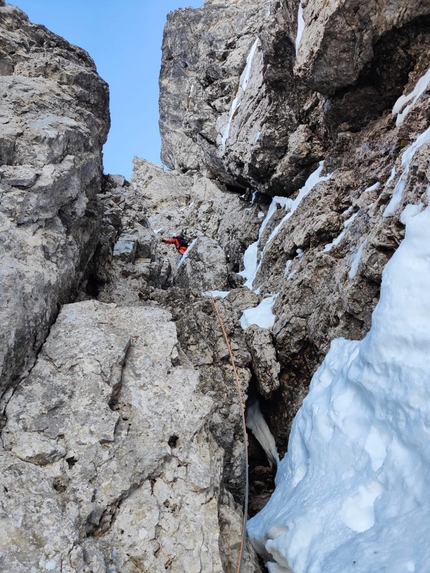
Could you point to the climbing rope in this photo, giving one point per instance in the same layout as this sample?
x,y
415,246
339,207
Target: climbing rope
x,y
245,435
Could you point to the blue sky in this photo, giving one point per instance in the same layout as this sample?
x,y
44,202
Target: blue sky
x,y
124,39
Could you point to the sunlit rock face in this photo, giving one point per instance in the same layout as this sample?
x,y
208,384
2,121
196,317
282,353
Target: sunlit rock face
x,y
121,463
261,91
325,260
228,70
54,120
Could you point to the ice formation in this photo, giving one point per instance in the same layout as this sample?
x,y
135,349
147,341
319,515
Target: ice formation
x,y
300,26
399,107
243,84
257,424
355,260
401,183
250,259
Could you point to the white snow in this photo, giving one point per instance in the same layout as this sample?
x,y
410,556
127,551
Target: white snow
x,y
244,79
410,211
250,259
352,492
261,315
216,293
243,84
338,239
401,183
418,90
287,267
300,26
355,260
292,205
372,187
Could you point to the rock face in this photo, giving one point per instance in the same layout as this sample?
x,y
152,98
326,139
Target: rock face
x,y
237,101
122,446
338,79
120,434
338,38
233,91
54,120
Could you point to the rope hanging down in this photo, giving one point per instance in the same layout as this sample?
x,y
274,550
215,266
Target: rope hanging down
x,y
245,438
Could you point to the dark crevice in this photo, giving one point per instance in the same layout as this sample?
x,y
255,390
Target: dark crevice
x,y
261,475
116,390
380,83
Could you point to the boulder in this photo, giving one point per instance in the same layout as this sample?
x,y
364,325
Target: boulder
x,y
203,267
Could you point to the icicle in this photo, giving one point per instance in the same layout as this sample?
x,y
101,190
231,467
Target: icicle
x,y
300,27
257,424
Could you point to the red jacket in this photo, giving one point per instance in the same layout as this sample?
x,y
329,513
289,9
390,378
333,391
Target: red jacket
x,y
180,248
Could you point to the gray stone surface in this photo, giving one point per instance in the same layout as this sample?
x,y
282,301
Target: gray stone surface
x,y
367,56
265,366
54,120
111,439
222,111
263,122
203,267
338,38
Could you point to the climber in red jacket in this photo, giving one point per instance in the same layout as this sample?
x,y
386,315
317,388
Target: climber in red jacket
x,y
180,243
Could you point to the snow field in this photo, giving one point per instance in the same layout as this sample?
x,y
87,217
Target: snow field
x,y
352,492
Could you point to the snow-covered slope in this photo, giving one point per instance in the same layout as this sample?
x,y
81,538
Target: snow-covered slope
x,y
352,491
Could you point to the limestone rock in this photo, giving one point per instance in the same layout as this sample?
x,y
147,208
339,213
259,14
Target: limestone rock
x,y
228,96
197,207
265,366
239,104
203,267
135,471
126,436
54,120
338,37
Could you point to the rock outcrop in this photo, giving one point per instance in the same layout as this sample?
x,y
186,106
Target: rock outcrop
x,y
114,424
258,102
54,120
